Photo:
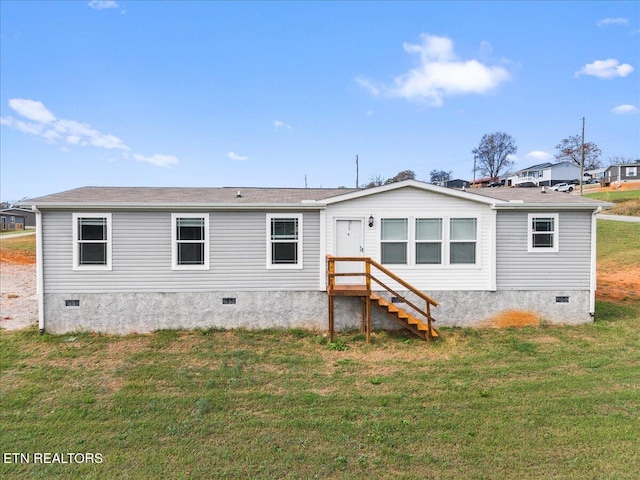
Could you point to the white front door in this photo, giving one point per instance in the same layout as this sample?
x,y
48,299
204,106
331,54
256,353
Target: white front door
x,y
349,243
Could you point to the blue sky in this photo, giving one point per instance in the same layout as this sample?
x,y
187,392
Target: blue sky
x,y
266,93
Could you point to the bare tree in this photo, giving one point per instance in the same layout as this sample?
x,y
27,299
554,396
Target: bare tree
x,y
400,176
569,150
622,160
440,175
374,181
492,156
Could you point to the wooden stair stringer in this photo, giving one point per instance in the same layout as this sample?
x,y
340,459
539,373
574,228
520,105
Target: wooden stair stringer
x,y
400,316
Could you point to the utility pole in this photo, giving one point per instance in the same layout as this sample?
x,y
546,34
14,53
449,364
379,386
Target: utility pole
x,y
357,179
582,157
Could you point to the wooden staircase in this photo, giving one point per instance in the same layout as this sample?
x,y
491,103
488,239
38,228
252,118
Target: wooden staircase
x,y
419,321
408,321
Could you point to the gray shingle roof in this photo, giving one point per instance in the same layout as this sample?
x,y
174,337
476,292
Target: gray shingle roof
x,y
185,195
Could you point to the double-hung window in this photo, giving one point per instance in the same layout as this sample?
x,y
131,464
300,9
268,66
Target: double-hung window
x,y
543,232
463,234
284,241
190,244
428,240
632,171
92,241
394,239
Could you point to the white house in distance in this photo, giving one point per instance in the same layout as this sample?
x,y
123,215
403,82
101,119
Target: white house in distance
x,y
129,259
546,174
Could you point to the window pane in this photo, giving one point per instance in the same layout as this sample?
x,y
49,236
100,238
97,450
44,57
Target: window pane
x,y
190,228
284,229
463,229
429,229
284,253
92,228
543,224
93,253
543,240
428,253
394,229
394,253
463,252
190,254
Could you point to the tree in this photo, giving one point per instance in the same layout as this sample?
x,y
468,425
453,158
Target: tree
x,y
622,161
440,175
493,154
403,175
374,181
569,150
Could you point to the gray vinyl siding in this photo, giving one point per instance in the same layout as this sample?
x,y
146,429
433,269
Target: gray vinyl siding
x,y
141,262
569,268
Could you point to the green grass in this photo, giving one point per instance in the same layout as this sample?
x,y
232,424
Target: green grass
x,y
618,243
615,195
551,402
547,402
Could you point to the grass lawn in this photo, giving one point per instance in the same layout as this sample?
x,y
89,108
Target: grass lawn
x,y
530,403
627,202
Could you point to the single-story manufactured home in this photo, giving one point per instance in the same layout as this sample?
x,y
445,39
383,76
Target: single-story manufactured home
x,y
546,174
623,172
120,259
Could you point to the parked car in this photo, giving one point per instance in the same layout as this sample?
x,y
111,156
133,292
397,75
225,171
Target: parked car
x,y
562,187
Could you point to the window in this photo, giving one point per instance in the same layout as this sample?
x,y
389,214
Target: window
x,y
394,241
428,240
462,240
632,171
543,233
190,233
92,241
284,245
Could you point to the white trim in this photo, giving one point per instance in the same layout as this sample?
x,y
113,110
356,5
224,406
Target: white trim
x,y
174,241
299,242
75,242
493,250
593,266
39,269
322,271
556,233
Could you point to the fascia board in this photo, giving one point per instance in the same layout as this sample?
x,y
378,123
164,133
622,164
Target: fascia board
x,y
177,206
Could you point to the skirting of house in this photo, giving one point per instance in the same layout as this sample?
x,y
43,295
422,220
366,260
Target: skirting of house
x,y
122,313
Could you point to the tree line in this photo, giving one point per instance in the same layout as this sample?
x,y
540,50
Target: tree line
x,y
494,156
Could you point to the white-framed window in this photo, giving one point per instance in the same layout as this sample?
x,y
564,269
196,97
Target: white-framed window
x,y
394,239
92,241
632,171
543,232
463,239
284,241
190,241
428,240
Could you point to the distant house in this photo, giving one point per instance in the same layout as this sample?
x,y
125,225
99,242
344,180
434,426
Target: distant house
x,y
11,221
546,174
596,174
483,182
623,173
28,215
120,260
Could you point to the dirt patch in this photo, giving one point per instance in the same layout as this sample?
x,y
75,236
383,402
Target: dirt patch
x,y
513,318
618,284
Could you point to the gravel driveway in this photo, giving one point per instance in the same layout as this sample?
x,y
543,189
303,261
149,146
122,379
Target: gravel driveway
x,y
18,302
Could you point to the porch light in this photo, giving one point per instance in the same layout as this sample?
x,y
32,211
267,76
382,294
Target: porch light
x,y
370,221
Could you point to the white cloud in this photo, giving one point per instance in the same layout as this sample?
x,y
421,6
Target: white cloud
x,y
606,69
102,4
440,74
539,155
157,159
235,156
612,21
42,123
280,124
31,110
624,109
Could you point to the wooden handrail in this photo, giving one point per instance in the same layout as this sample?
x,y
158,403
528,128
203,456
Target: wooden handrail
x,y
369,261
332,274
